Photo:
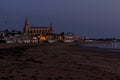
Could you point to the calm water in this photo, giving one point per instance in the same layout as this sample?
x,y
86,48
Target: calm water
x,y
114,45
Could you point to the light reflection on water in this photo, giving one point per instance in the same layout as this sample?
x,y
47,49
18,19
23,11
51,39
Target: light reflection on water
x,y
114,45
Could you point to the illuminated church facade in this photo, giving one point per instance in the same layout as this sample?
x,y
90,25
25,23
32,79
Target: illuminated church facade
x,y
28,30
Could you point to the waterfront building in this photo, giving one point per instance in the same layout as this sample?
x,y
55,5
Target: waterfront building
x,y
28,30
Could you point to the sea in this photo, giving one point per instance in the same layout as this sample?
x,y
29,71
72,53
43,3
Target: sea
x,y
104,44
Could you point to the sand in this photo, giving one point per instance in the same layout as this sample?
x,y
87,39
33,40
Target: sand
x,y
58,61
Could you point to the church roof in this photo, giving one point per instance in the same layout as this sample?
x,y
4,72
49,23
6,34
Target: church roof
x,y
39,27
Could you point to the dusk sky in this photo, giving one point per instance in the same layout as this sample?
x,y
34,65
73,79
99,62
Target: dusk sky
x,y
89,18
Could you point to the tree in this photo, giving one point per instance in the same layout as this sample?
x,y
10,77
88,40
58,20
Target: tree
x,y
6,31
62,35
13,31
19,32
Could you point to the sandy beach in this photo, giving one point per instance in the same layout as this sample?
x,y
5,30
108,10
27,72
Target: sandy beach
x,y
58,61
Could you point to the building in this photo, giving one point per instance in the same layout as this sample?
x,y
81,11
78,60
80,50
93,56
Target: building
x,y
28,30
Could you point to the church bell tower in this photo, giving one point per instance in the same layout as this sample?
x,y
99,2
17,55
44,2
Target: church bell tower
x,y
26,26
51,29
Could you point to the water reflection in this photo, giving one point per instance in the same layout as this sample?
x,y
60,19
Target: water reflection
x,y
103,44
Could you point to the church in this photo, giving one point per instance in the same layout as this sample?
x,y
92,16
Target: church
x,y
28,30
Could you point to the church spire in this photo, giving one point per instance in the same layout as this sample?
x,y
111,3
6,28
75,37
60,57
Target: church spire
x,y
26,21
26,27
51,28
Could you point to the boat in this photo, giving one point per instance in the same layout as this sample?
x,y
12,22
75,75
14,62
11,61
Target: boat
x,y
52,41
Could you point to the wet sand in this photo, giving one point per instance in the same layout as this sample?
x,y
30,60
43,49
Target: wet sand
x,y
58,61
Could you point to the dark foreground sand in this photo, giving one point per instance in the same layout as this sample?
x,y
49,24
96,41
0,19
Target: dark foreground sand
x,y
58,62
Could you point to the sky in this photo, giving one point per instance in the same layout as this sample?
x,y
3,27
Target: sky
x,y
89,18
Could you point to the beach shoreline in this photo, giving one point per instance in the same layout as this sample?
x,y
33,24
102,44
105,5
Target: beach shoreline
x,y
58,61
